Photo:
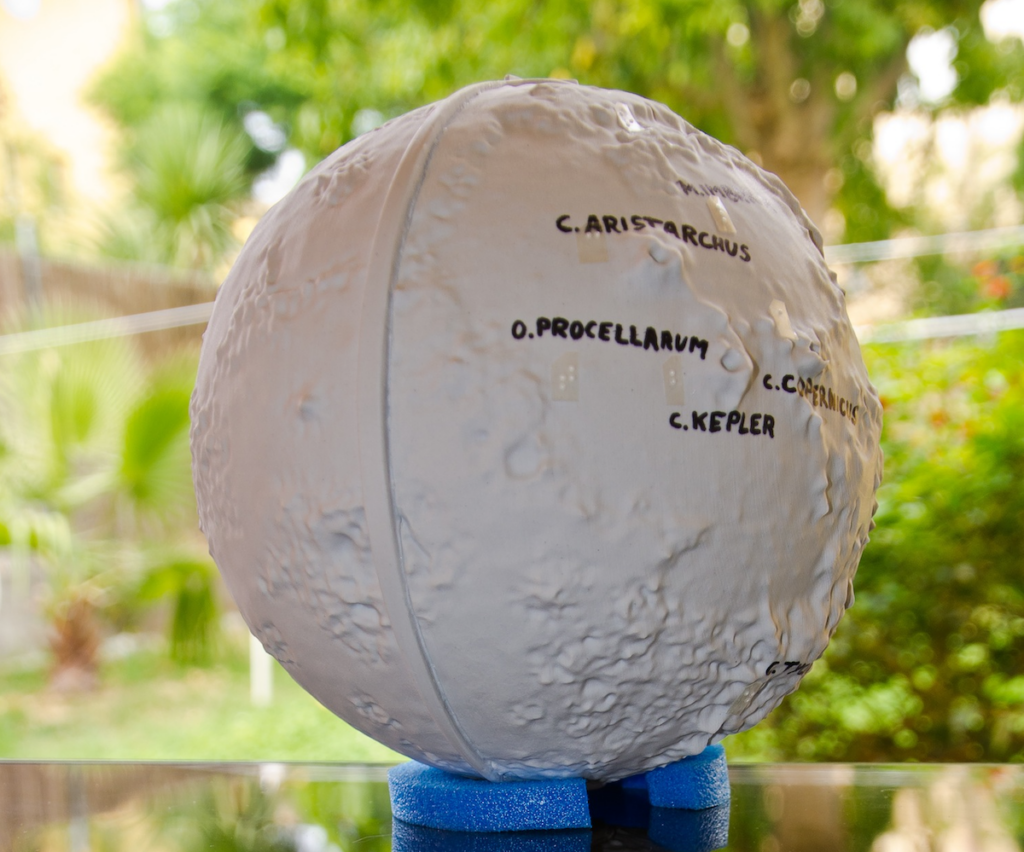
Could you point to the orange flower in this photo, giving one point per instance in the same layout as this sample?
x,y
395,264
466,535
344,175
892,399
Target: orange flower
x,y
984,269
998,287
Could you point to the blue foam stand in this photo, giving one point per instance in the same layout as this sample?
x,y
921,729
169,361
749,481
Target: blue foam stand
x,y
692,784
424,796
415,838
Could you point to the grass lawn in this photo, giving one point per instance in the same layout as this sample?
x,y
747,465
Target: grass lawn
x,y
148,708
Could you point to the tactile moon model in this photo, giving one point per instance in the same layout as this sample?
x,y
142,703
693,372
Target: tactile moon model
x,y
532,437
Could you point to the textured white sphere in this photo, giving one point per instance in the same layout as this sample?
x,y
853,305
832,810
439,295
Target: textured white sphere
x,y
532,437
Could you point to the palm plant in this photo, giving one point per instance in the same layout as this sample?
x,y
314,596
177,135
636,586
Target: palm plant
x,y
188,173
95,485
189,582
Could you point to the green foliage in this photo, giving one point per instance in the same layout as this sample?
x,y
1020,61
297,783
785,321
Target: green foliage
x,y
237,818
188,170
155,469
862,200
1017,178
214,56
191,585
796,83
927,664
948,287
240,815
979,62
95,485
62,417
351,813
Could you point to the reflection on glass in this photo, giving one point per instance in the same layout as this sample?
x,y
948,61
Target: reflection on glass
x,y
627,810
415,838
690,831
309,808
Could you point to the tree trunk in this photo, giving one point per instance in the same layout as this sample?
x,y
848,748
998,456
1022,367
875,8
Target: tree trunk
x,y
788,116
785,124
75,643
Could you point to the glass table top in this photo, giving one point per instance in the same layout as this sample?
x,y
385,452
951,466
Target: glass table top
x,y
110,807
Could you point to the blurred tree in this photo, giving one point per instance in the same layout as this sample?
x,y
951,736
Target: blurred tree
x,y
929,663
94,481
794,84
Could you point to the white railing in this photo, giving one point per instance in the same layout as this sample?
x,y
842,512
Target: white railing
x,y
841,255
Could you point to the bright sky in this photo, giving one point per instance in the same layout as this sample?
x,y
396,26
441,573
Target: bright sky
x,y
967,156
1003,18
